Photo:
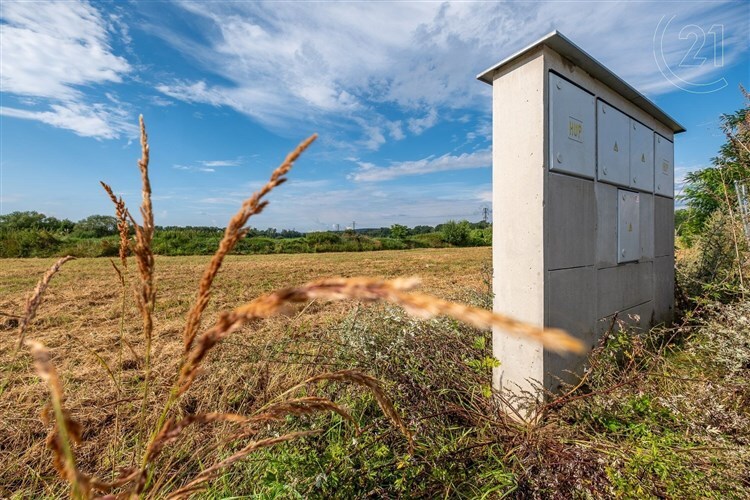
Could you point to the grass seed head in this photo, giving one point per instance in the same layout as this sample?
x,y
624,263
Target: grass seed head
x,y
232,234
35,299
123,224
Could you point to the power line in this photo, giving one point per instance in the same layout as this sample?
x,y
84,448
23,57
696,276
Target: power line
x,y
485,214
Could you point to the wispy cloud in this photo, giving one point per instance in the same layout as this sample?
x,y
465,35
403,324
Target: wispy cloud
x,y
291,64
51,51
87,120
221,163
320,206
368,172
209,166
193,168
419,125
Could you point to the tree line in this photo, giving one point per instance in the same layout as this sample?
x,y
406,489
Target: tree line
x,y
34,234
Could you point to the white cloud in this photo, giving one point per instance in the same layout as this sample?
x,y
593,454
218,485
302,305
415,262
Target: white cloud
x,y
222,163
51,47
322,207
209,166
419,125
158,100
332,64
485,196
194,168
374,137
483,132
96,120
395,130
368,172
51,50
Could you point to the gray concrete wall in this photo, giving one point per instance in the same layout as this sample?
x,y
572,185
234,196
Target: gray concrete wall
x,y
555,239
518,220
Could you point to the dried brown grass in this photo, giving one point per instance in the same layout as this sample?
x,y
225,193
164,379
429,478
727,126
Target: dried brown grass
x,y
233,233
167,427
123,224
35,299
80,315
366,289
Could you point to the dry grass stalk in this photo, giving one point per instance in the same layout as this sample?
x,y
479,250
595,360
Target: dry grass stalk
x,y
123,224
144,256
366,289
119,273
276,412
171,429
233,233
273,413
67,432
211,473
35,299
144,235
427,306
371,383
65,429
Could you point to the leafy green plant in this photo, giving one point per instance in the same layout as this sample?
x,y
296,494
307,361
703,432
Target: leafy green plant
x,y
456,233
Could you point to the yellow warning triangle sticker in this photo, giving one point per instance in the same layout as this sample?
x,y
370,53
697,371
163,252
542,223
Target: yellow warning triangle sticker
x,y
616,148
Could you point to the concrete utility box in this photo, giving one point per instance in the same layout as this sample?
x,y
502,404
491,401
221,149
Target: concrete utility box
x,y
583,224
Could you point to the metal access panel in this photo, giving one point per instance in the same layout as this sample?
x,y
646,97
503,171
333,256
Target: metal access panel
x,y
663,166
572,128
628,226
613,145
641,157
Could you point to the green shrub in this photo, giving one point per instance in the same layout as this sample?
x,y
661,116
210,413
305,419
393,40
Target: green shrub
x,y
296,245
428,240
255,245
28,243
456,233
392,244
399,231
325,237
481,237
711,270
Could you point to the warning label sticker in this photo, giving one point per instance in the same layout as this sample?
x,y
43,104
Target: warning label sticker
x,y
575,129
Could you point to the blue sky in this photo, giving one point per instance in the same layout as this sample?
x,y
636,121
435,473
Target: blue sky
x,y
228,88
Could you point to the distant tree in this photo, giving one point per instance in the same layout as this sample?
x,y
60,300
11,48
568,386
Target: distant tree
x,y
399,231
456,233
96,226
422,229
290,233
706,190
34,220
375,232
323,237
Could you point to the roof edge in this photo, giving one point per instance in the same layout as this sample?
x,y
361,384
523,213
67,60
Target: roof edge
x,y
565,47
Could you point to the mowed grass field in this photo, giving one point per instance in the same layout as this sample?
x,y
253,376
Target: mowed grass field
x,y
80,322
